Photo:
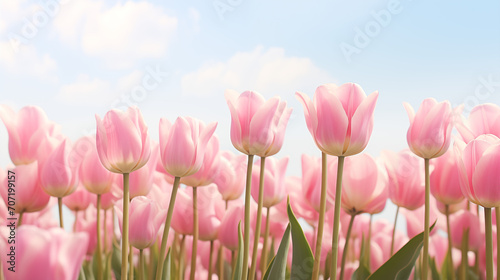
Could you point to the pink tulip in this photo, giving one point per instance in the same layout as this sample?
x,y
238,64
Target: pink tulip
x,y
430,128
406,181
123,140
29,195
145,220
311,182
479,176
459,223
182,216
209,167
79,200
109,199
444,179
228,230
438,250
183,145
483,119
452,208
141,181
87,223
45,254
274,181
415,219
228,180
257,126
361,191
299,204
31,135
57,177
340,119
94,177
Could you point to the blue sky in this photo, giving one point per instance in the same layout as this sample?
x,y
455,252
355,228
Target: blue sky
x,y
78,58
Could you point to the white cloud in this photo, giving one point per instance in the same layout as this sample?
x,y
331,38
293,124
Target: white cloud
x,y
27,61
269,71
194,16
121,34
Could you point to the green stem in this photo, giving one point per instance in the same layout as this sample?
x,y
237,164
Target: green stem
x,y
346,246
321,219
263,254
220,257
99,246
131,262
59,205
182,254
450,255
394,231
497,217
141,265
246,240
126,195
336,219
161,257
368,246
465,259
489,244
210,259
105,247
425,256
195,234
21,214
260,201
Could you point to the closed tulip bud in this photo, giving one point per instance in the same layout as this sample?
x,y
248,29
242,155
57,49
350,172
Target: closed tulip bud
x,y
145,220
445,179
228,230
183,145
57,177
311,182
274,181
49,254
209,167
94,177
340,119
429,134
478,162
79,200
228,180
459,223
257,126
123,140
406,182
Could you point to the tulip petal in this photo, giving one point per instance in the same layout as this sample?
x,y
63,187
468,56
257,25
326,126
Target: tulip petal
x,y
362,125
486,178
262,127
309,112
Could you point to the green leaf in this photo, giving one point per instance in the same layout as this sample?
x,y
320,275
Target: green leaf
x,y
362,273
303,259
116,261
363,270
239,261
167,267
401,264
433,267
277,268
445,268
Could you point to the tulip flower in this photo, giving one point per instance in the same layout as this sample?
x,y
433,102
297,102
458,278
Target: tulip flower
x,y
257,128
45,254
228,180
478,162
311,182
459,223
483,119
340,119
123,146
79,200
228,230
274,181
31,135
182,150
30,196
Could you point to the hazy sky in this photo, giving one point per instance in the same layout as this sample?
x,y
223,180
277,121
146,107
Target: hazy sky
x,y
78,58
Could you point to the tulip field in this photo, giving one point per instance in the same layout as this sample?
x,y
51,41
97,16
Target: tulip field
x,y
180,207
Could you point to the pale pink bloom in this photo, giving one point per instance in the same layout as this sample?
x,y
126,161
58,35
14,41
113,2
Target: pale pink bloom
x,y
429,134
483,119
57,177
123,140
298,202
274,188
183,145
479,177
31,135
44,218
438,249
145,218
364,191
109,199
209,167
445,179
340,119
257,126
160,192
406,178
79,200
141,181
29,195
228,230
87,223
94,177
311,182
415,219
452,208
228,180
49,254
459,223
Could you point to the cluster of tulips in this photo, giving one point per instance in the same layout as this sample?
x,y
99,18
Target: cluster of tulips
x,y
180,208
